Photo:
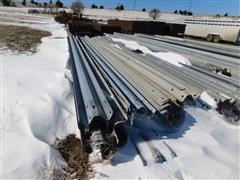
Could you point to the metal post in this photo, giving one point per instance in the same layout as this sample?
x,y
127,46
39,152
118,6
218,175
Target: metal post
x,y
190,5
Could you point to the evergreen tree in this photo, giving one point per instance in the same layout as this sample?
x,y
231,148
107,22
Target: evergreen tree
x,y
24,2
59,4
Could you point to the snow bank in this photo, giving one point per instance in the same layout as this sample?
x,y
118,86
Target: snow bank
x,y
169,57
38,105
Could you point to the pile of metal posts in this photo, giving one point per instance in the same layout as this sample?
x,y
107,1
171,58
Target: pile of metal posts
x,y
113,85
110,90
96,112
224,89
209,57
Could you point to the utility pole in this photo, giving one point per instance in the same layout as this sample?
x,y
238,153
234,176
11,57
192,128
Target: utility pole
x,y
134,4
190,5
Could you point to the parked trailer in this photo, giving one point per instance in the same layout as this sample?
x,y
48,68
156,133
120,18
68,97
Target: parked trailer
x,y
214,29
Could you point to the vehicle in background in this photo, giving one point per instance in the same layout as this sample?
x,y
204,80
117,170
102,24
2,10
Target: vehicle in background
x,y
214,30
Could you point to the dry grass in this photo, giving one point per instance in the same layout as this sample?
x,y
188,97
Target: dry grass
x,y
76,158
21,39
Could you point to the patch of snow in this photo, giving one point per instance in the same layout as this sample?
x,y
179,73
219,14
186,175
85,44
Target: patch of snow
x,y
224,75
205,97
38,105
220,73
170,57
116,45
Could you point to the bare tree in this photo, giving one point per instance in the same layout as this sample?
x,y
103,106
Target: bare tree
x,y
154,13
77,8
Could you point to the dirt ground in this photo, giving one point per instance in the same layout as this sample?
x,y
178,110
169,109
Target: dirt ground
x,y
21,39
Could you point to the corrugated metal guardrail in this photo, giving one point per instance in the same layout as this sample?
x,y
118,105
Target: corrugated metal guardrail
x,y
111,85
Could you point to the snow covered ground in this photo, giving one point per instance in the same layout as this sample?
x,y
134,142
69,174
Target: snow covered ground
x,y
37,106
206,147
37,102
105,14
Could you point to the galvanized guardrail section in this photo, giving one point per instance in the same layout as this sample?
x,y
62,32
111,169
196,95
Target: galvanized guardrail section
x,y
109,94
95,111
113,85
225,90
204,59
140,78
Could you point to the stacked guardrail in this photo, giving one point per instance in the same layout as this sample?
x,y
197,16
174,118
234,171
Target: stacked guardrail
x,y
224,89
109,94
114,85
